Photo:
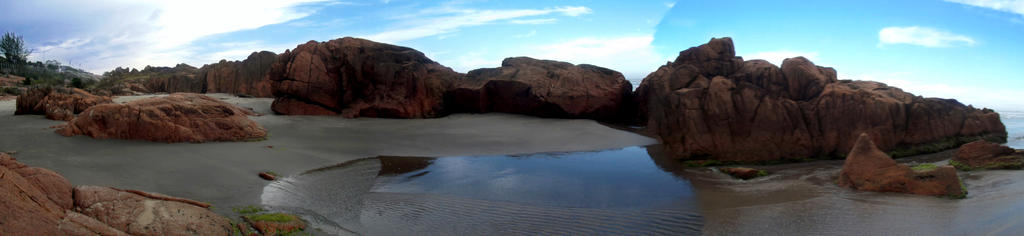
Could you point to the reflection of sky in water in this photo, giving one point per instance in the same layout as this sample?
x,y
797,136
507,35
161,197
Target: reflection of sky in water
x,y
614,179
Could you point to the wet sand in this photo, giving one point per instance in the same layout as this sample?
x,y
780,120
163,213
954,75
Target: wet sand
x,y
224,173
796,199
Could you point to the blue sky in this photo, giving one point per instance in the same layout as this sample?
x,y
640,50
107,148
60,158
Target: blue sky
x,y
970,50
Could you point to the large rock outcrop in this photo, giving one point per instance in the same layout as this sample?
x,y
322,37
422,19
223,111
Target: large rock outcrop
x,y
358,78
869,169
710,104
981,155
180,78
179,117
543,88
247,77
37,201
57,103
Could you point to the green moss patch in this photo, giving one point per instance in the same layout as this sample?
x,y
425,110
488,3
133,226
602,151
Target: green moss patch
x,y
924,167
247,210
272,217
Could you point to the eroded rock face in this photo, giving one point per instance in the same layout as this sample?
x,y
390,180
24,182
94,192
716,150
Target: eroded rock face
x,y
179,117
180,78
37,201
544,88
869,169
358,78
137,215
710,104
247,77
987,155
57,103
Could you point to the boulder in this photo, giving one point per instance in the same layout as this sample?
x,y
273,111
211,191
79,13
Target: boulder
x,y
180,78
979,155
543,88
358,78
869,169
138,215
245,78
710,104
57,103
179,117
38,201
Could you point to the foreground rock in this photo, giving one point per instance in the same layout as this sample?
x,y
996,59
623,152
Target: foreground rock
x,y
179,117
710,104
743,173
981,155
38,201
869,169
358,78
57,103
275,223
543,88
247,77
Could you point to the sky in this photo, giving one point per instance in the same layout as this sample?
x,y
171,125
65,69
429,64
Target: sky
x,y
970,50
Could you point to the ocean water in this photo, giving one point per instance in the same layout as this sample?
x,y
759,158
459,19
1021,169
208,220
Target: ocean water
x,y
1014,121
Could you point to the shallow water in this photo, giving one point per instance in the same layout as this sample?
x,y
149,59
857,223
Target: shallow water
x,y
634,190
607,192
1014,122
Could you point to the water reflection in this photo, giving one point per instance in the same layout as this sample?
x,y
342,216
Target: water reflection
x,y
603,192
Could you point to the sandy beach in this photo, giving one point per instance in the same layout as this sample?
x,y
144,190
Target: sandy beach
x,y
224,173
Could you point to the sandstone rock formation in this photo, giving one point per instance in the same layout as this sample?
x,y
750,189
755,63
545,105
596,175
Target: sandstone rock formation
x,y
979,155
710,104
543,88
38,201
180,78
358,78
247,77
57,103
179,117
868,168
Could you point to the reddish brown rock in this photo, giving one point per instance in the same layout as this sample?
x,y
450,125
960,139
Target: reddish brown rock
x,y
710,104
543,88
358,78
180,78
57,103
37,201
869,169
138,215
27,205
247,77
179,117
981,154
267,176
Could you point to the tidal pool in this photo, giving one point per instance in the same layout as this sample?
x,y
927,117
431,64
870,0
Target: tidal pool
x,y
604,192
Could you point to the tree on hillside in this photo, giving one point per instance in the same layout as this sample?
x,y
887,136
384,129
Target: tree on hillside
x,y
77,83
13,48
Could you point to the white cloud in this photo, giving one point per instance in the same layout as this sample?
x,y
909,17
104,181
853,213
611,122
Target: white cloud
x,y
1011,6
776,57
634,56
430,22
533,21
574,11
921,36
995,98
143,33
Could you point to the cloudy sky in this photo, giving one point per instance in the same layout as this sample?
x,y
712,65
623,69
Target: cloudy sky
x,y
970,50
